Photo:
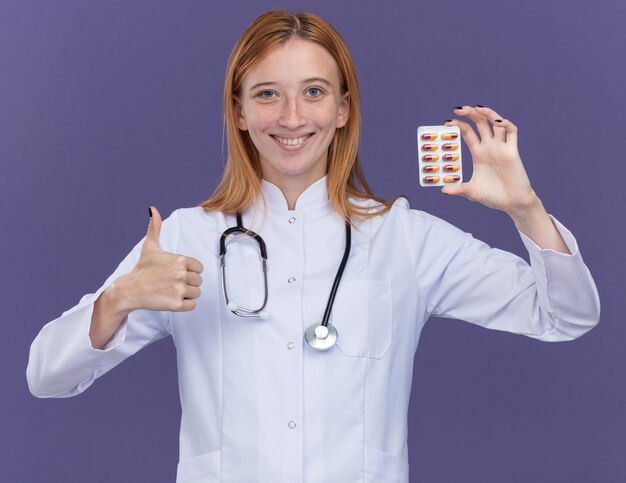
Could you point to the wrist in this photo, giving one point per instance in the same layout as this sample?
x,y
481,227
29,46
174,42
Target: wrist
x,y
535,223
118,296
533,220
527,212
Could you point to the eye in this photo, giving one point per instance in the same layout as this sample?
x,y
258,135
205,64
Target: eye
x,y
266,94
314,91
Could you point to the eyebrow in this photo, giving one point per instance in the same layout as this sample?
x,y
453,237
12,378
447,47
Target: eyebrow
x,y
306,81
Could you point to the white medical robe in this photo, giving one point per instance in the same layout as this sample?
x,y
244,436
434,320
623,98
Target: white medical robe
x,y
258,404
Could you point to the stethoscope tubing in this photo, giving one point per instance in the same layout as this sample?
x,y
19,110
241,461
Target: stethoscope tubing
x,y
320,336
342,266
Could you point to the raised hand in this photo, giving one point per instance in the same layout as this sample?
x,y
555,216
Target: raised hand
x,y
162,280
159,281
499,180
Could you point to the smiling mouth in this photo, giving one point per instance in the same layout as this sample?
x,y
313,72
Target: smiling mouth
x,y
292,141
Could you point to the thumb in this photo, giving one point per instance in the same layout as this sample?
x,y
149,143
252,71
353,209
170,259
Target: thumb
x,y
151,242
456,189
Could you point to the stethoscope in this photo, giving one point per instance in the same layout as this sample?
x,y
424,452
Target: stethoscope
x,y
320,336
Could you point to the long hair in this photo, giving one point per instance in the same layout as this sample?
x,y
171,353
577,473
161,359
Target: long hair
x,y
241,182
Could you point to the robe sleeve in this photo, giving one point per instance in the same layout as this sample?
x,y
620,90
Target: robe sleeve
x,y
62,361
554,298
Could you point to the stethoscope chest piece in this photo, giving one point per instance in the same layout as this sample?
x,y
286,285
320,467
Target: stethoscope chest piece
x,y
321,337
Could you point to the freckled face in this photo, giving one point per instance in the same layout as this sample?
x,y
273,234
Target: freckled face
x,y
291,104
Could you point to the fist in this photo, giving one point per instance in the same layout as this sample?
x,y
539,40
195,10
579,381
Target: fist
x,y
160,280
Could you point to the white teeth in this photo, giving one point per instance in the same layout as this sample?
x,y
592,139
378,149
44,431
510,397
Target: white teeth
x,y
291,142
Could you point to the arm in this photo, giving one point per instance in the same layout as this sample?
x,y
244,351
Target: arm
x,y
159,281
62,361
108,313
552,299
129,311
555,297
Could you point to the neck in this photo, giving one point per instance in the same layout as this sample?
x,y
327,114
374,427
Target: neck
x,y
292,188
291,195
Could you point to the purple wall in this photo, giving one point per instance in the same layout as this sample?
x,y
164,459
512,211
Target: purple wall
x,y
108,106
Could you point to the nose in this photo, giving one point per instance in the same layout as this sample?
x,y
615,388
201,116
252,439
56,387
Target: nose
x,y
291,115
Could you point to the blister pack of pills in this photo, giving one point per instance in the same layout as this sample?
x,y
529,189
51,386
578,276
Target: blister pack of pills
x,y
439,155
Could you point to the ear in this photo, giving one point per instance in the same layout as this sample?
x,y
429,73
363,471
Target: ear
x,y
344,110
240,118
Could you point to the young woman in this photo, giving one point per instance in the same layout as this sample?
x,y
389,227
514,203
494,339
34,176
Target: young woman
x,y
303,372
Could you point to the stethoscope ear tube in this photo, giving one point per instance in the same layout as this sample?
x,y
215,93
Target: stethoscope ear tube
x,y
244,231
240,229
232,306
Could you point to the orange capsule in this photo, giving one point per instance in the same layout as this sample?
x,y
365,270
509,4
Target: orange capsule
x,y
451,178
429,147
431,179
450,157
429,136
430,157
451,167
449,135
450,146
430,168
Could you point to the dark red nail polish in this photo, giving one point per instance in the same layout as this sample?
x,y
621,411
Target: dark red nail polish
x,y
447,120
498,120
458,107
150,211
478,105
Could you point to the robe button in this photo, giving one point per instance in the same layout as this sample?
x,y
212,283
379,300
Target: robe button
x,y
291,280
291,345
292,220
292,424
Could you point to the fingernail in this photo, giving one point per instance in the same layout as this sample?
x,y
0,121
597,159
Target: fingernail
x,y
150,211
498,120
447,120
458,107
478,105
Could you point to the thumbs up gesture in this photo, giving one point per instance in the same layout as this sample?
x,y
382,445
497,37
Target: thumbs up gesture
x,y
161,280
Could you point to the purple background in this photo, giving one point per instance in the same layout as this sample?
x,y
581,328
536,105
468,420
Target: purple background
x,y
108,106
